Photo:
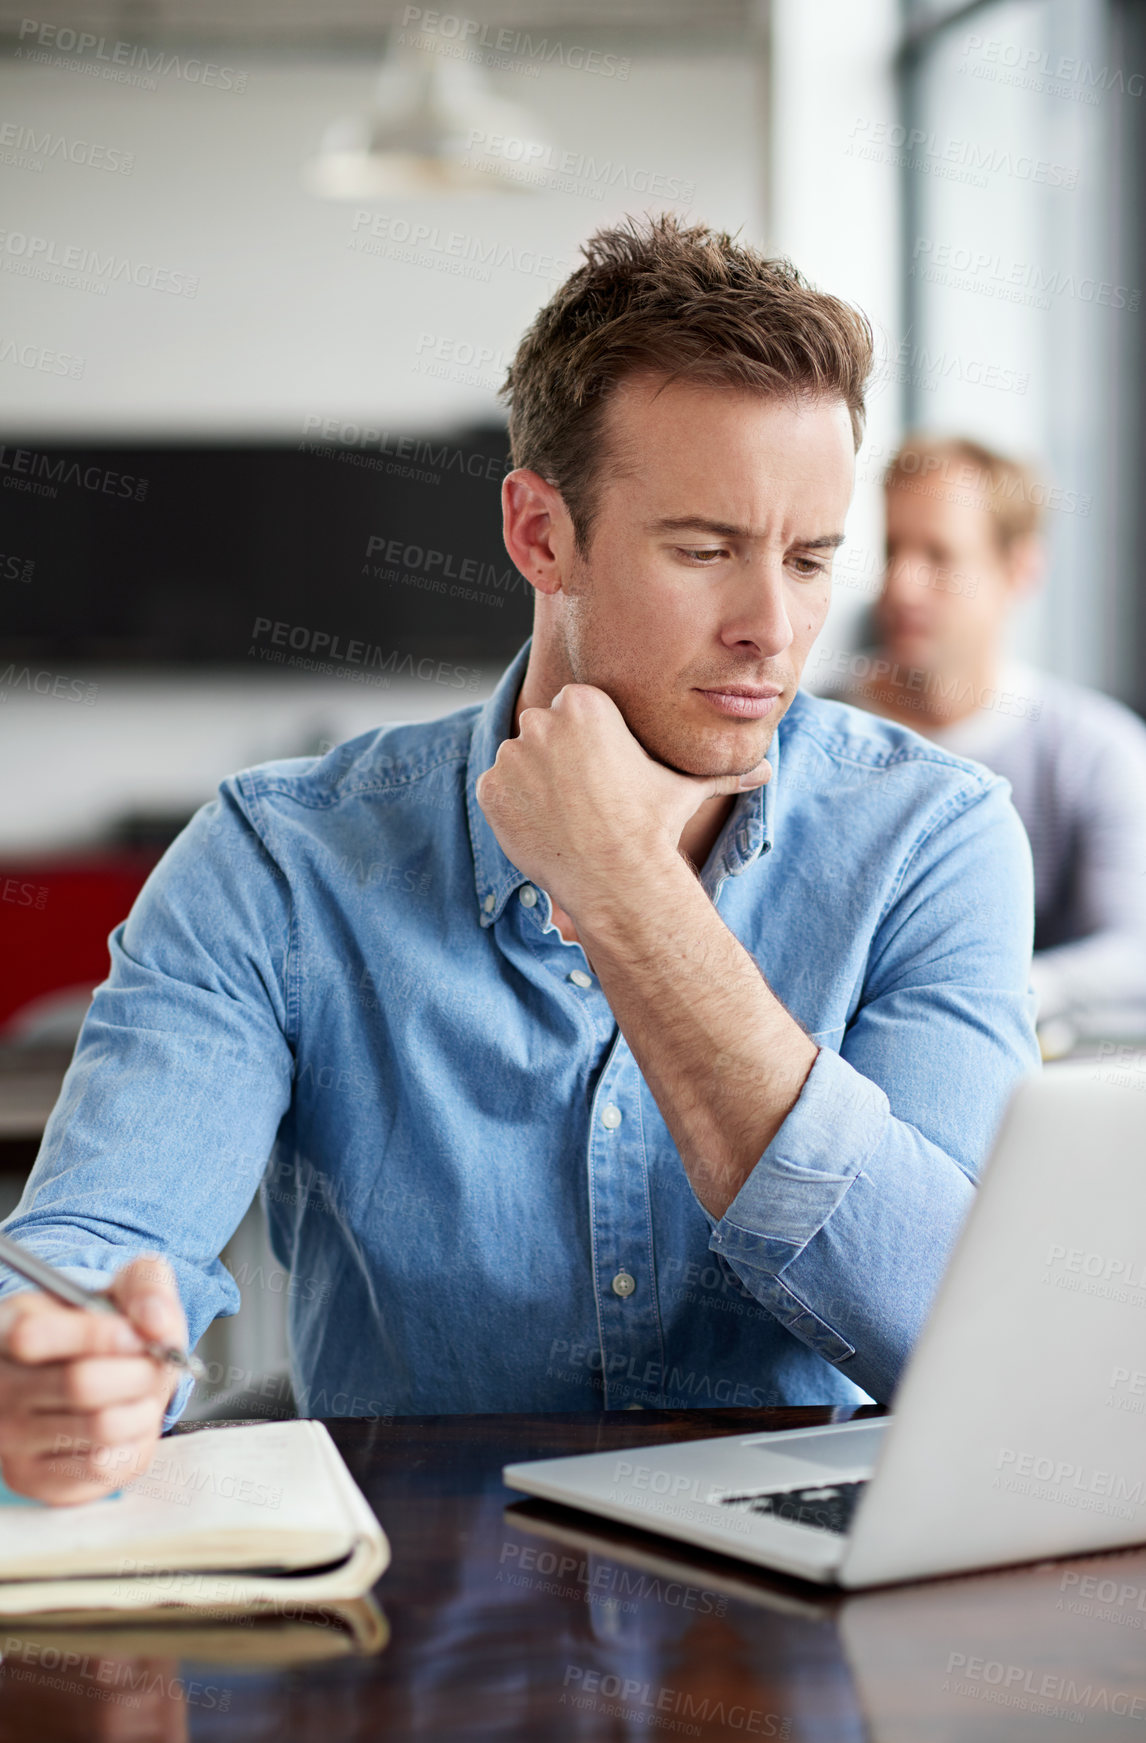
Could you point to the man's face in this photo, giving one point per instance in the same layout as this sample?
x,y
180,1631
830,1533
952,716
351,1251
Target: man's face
x,y
948,586
709,570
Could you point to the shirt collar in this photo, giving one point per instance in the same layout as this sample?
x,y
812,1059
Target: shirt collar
x,y
495,878
746,835
748,832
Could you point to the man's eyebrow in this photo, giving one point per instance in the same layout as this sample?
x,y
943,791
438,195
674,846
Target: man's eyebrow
x,y
725,530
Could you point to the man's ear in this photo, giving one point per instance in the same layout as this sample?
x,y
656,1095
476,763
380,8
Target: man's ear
x,y
1026,562
531,513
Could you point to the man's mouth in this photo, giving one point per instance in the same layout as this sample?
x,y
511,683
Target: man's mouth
x,y
743,701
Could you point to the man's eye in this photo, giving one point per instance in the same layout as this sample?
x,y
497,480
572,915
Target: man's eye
x,y
708,555
808,566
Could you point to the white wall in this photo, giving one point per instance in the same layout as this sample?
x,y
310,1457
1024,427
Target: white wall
x,y
161,742
290,319
836,215
995,250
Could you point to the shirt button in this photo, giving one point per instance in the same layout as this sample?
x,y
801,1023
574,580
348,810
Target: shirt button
x,y
624,1284
611,1116
490,903
580,978
528,897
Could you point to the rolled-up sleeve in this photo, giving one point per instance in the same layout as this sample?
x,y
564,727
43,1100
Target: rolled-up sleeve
x,y
844,1227
181,1076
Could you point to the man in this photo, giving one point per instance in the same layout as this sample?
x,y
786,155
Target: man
x,y
963,550
646,1083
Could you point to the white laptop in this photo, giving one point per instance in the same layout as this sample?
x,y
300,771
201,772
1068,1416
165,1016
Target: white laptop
x,y
1019,1425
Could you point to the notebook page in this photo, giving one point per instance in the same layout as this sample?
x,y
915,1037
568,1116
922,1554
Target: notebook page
x,y
268,1478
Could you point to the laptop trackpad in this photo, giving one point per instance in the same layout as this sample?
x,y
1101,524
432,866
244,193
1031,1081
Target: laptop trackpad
x,y
832,1450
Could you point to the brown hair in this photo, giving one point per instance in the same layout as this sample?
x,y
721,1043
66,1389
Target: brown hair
x,y
683,301
1012,493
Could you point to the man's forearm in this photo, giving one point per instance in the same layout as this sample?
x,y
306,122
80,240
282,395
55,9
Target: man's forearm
x,y
722,1057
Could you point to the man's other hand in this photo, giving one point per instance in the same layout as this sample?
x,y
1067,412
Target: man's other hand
x,y
81,1407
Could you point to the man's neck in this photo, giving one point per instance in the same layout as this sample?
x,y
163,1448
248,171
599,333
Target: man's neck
x,y
543,678
941,699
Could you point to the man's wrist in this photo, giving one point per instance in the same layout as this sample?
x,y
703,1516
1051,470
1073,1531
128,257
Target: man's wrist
x,y
612,913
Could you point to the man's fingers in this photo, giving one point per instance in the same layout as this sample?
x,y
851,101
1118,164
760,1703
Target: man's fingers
x,y
70,1468
145,1291
69,1433
81,1406
35,1328
123,1425
757,777
149,1274
58,1481
116,1430
92,1383
587,696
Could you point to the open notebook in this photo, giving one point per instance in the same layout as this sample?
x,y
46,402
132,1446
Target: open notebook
x,y
250,1517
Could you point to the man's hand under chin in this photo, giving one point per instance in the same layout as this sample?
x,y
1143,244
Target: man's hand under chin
x,y
580,807
583,811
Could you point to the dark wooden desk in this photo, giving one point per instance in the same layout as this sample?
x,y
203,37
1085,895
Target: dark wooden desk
x,y
512,1620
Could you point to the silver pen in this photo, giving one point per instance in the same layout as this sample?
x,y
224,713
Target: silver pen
x,y
46,1277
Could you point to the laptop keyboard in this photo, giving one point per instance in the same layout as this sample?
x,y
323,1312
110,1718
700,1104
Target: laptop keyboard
x,y
829,1507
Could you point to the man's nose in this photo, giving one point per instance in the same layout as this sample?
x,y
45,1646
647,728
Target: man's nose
x,y
904,575
761,613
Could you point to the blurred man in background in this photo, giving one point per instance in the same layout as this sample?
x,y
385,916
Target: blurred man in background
x,y
963,549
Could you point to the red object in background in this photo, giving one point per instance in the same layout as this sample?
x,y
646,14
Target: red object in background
x,y
55,916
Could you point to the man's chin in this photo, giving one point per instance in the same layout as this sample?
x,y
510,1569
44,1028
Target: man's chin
x,y
912,650
705,760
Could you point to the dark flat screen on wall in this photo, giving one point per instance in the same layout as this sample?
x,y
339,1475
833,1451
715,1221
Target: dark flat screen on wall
x,y
173,555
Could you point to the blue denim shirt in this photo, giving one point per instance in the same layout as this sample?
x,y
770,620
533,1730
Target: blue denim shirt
x,y
335,967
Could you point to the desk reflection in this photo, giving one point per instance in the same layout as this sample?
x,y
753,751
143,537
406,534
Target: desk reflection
x,y
1019,1653
146,1679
